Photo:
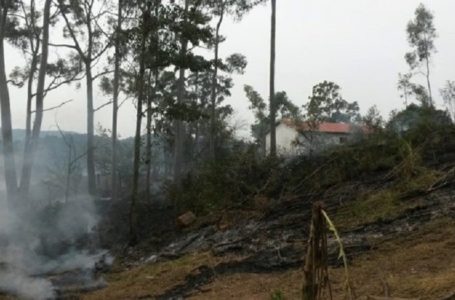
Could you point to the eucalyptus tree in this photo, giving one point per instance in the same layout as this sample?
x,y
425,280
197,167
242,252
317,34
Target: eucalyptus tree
x,y
7,20
83,25
31,143
221,8
272,80
141,37
19,25
116,92
421,35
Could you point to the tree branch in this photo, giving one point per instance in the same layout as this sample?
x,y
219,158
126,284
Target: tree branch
x,y
102,106
55,107
63,46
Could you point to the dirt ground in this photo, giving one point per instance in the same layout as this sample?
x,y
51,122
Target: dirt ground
x,y
417,265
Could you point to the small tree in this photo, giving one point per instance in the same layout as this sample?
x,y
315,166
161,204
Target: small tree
x,y
327,104
260,128
373,119
405,86
448,94
421,35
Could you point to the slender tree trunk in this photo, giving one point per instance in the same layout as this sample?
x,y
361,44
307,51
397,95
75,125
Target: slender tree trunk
x,y
405,97
272,82
33,68
150,98
7,130
148,143
68,173
179,129
428,82
137,141
28,120
114,189
90,131
214,86
30,148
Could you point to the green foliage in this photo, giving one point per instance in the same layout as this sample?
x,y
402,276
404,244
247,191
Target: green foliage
x,y
448,94
231,181
277,295
327,104
283,105
373,119
421,35
414,119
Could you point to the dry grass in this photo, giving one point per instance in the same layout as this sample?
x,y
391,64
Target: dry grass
x,y
418,265
145,281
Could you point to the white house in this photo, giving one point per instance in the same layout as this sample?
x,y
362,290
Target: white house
x,y
294,138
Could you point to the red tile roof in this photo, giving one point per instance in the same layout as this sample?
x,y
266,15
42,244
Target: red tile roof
x,y
328,127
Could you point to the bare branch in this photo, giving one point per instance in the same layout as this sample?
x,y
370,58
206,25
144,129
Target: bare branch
x,y
102,106
55,107
63,46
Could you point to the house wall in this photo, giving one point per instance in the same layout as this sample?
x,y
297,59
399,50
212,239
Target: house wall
x,y
289,142
285,140
315,142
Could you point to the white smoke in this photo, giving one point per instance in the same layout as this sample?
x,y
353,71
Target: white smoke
x,y
44,240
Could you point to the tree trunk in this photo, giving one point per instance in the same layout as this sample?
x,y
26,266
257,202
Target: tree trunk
x,y
30,147
7,130
179,130
28,120
428,82
91,177
114,188
272,82
137,142
214,86
148,143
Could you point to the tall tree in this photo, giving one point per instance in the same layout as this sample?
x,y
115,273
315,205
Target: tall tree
x,y
179,130
272,81
191,30
140,86
116,92
7,7
220,10
83,21
421,35
33,40
30,147
237,8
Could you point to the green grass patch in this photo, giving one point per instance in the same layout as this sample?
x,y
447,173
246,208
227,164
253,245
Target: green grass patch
x,y
386,203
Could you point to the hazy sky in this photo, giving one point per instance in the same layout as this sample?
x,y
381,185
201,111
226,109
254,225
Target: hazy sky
x,y
359,44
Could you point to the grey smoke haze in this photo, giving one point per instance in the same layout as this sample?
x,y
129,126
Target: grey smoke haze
x,y
359,44
41,240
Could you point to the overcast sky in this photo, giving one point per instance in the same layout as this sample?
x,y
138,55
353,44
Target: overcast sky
x,y
359,44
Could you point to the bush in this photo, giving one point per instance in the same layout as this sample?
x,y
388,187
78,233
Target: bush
x,y
227,182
